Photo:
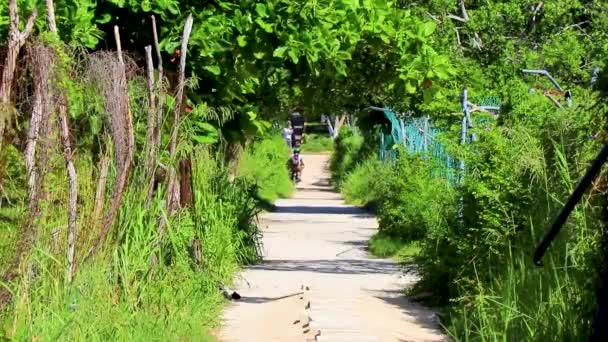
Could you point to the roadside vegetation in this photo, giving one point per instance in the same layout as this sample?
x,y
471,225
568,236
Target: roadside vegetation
x,y
477,233
317,143
479,267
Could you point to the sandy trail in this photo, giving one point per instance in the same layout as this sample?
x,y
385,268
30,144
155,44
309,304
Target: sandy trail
x,y
318,283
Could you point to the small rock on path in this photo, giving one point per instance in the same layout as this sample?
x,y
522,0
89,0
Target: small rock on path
x,y
318,283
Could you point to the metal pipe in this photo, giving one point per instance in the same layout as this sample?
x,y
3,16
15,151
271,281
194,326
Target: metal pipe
x,y
544,73
425,147
490,107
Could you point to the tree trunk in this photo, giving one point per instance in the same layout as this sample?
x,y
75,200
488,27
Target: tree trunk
x,y
66,144
16,39
32,140
73,185
186,194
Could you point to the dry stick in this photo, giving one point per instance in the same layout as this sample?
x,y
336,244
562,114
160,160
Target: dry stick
x,y
41,61
159,84
159,112
104,166
172,200
73,184
151,113
32,138
124,161
127,112
555,102
478,44
68,158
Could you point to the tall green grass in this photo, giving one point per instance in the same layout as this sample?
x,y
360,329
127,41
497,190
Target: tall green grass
x,y
138,289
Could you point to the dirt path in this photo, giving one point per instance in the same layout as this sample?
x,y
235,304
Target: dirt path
x,y
318,283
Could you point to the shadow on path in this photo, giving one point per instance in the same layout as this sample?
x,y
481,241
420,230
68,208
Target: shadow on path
x,y
260,300
301,209
397,299
336,266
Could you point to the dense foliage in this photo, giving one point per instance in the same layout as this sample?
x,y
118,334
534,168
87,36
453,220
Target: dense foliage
x,y
519,172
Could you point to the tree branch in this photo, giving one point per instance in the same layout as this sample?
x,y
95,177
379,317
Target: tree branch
x,y
50,16
455,17
463,10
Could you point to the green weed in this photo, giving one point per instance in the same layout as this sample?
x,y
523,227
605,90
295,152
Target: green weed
x,y
315,143
386,246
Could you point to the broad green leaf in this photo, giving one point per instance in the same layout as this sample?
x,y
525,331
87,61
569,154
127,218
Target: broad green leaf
x,y
214,69
204,140
265,26
206,126
279,52
428,28
294,56
242,40
410,88
261,10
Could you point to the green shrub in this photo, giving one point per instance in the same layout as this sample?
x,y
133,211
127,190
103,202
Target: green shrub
x,y
518,173
137,289
367,184
264,163
317,143
414,202
347,154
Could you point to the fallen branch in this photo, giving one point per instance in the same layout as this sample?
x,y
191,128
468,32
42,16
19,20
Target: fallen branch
x,y
463,10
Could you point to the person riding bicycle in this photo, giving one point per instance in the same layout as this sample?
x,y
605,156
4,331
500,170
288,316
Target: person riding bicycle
x,y
296,164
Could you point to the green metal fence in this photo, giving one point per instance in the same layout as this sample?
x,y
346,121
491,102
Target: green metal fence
x,y
418,136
